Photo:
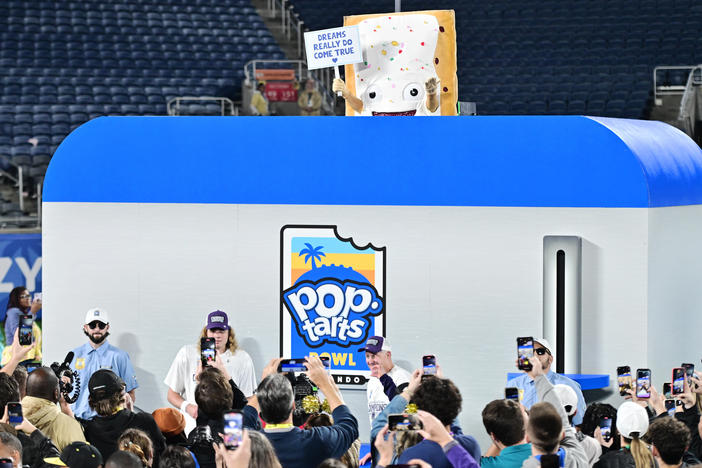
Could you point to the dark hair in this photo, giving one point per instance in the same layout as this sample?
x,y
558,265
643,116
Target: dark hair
x,y
319,420
42,383
20,375
122,459
594,413
213,394
332,463
14,300
504,420
176,456
439,397
545,427
9,390
275,397
671,438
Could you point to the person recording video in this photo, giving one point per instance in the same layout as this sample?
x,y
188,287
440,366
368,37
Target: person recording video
x,y
217,342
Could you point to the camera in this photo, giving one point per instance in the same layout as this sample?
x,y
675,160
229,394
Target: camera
x,y
64,370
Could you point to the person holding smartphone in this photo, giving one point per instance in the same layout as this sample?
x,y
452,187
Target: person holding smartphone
x,y
98,354
386,379
20,303
527,388
182,375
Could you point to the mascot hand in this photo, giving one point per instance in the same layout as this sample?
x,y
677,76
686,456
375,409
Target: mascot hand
x,y
431,85
339,86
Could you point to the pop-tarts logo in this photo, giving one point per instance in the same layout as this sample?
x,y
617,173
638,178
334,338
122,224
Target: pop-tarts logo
x,y
332,310
332,294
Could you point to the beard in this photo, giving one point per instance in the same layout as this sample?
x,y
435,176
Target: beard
x,y
96,340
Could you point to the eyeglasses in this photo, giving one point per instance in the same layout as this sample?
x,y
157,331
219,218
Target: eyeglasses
x,y
96,324
25,296
541,351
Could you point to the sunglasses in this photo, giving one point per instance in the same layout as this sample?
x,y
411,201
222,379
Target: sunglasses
x,y
541,351
96,324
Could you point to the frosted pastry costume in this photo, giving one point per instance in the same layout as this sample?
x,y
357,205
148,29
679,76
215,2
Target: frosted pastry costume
x,y
401,52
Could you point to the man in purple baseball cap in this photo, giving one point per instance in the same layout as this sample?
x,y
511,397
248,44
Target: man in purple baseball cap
x,y
386,380
182,376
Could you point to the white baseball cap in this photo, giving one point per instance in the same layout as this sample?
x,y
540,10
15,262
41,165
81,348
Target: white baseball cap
x,y
632,418
568,397
96,314
543,342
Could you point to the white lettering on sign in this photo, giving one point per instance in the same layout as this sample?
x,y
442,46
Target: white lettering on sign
x,y
332,47
30,274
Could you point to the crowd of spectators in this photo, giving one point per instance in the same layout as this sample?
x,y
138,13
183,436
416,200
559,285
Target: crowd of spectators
x,y
547,425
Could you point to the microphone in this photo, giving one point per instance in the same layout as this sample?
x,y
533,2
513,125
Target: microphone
x,y
68,360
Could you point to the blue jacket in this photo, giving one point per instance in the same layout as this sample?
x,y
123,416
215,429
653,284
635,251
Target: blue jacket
x,y
297,448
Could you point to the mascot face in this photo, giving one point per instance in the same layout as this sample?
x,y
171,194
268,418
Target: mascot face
x,y
398,54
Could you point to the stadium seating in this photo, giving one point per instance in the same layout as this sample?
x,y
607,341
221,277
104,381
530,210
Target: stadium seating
x,y
591,57
63,63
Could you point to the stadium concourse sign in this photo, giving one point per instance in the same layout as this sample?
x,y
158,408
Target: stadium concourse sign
x,y
333,47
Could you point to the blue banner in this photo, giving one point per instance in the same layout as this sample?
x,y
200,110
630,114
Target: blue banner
x,y
20,265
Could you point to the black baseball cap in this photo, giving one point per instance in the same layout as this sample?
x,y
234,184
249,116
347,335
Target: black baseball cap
x,y
77,455
104,383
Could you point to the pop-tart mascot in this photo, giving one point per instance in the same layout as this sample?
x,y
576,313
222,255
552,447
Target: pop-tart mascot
x,y
408,68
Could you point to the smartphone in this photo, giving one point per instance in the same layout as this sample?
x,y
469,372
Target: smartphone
x,y
25,330
403,422
37,296
207,351
7,463
670,406
666,390
643,383
292,365
624,379
689,370
606,428
429,364
326,362
233,429
678,383
512,393
14,413
525,352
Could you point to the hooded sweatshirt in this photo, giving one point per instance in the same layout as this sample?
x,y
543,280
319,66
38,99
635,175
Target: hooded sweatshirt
x,y
48,418
575,456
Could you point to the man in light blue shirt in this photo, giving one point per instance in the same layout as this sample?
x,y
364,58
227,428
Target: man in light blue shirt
x,y
525,382
98,354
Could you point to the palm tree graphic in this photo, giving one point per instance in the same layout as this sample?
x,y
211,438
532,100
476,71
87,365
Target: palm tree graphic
x,y
313,253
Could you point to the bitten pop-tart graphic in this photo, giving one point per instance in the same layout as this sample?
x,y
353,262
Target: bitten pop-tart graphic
x,y
404,54
332,296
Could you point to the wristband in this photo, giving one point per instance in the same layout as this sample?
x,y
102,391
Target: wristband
x,y
184,406
450,445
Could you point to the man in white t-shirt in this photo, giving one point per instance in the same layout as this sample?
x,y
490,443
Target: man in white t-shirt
x,y
182,376
386,380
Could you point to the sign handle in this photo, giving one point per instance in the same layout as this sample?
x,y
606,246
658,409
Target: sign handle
x,y
336,75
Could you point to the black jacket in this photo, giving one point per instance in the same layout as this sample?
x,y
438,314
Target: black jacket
x,y
103,432
203,451
616,459
35,448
